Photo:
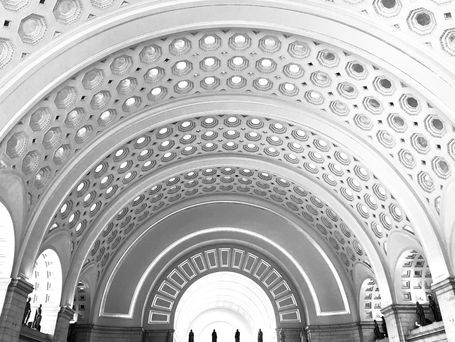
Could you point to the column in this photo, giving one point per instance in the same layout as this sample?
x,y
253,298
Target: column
x,y
445,294
13,309
65,315
394,329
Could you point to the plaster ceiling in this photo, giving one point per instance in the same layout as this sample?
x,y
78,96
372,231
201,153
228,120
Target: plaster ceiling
x,y
89,127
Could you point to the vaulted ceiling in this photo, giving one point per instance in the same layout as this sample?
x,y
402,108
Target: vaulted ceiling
x,y
269,124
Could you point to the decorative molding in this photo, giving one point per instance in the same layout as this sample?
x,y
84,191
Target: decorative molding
x,y
164,297
20,285
443,286
224,180
429,25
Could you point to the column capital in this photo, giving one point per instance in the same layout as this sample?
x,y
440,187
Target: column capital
x,y
66,312
389,309
444,286
22,286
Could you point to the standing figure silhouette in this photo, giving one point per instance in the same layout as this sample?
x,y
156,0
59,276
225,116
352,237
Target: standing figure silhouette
x,y
260,335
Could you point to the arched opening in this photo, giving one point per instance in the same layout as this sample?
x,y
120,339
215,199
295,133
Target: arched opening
x,y
81,303
225,301
414,277
47,282
6,251
370,300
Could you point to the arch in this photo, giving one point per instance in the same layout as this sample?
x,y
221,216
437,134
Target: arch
x,y
232,221
7,248
412,277
220,294
429,221
264,272
231,180
47,282
222,103
448,219
442,272
166,174
370,300
337,26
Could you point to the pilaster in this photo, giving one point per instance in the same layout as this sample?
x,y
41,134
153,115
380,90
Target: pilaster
x,y
64,317
13,309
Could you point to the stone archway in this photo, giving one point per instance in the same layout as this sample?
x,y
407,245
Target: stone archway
x,y
175,280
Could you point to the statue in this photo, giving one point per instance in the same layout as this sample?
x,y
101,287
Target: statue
x,y
191,336
37,319
377,333
260,335
282,335
237,336
169,336
27,312
435,309
384,327
420,315
214,336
